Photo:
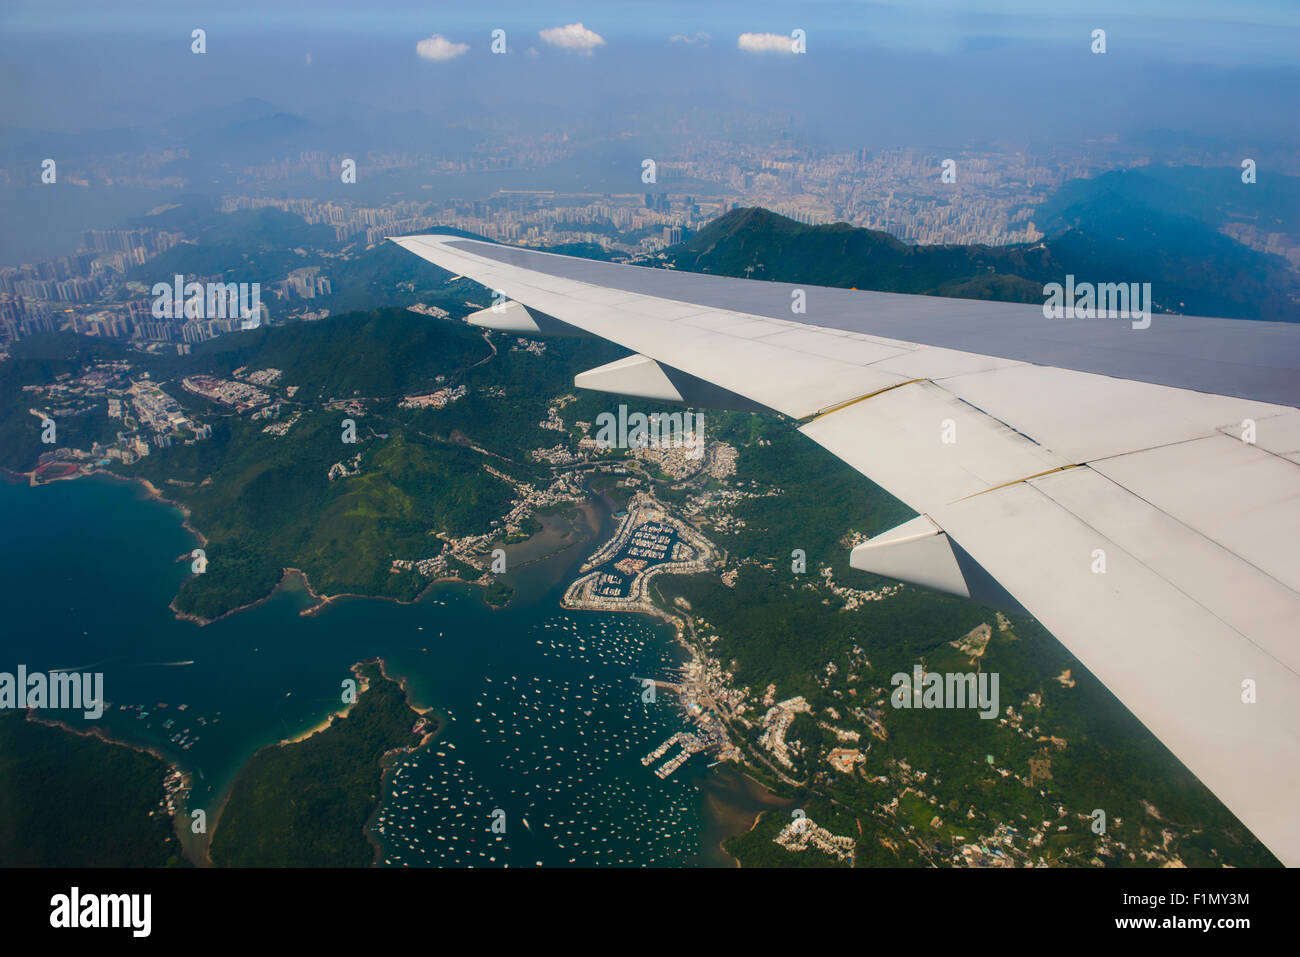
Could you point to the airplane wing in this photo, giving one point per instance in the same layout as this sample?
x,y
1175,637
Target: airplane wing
x,y
1137,490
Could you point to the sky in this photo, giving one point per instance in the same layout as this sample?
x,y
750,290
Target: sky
x,y
927,72
1242,28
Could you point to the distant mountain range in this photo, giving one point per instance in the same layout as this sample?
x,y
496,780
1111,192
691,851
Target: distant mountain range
x,y
1156,226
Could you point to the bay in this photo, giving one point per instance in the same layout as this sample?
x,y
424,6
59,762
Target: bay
x,y
547,727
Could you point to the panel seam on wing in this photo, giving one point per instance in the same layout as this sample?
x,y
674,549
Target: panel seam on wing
x,y
1174,518
1026,478
1158,574
809,419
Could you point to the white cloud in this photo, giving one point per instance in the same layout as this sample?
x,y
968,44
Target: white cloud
x,y
765,43
573,37
701,38
439,47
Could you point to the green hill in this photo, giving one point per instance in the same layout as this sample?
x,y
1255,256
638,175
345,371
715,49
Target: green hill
x,y
760,244
387,352
54,784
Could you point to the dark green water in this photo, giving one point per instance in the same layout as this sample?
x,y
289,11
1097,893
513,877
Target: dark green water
x,y
548,725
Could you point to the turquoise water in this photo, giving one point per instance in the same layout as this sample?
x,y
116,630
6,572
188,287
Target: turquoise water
x,y
548,726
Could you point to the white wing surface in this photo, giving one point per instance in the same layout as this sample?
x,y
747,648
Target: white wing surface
x,y
1037,452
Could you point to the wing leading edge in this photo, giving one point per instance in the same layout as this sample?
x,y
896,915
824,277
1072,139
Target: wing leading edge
x,y
1028,476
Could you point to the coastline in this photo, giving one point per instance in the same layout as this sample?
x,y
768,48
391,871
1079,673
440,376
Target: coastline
x,y
153,493
734,802
319,601
388,760
94,731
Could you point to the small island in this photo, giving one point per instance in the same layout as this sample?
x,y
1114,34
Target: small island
x,y
307,803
